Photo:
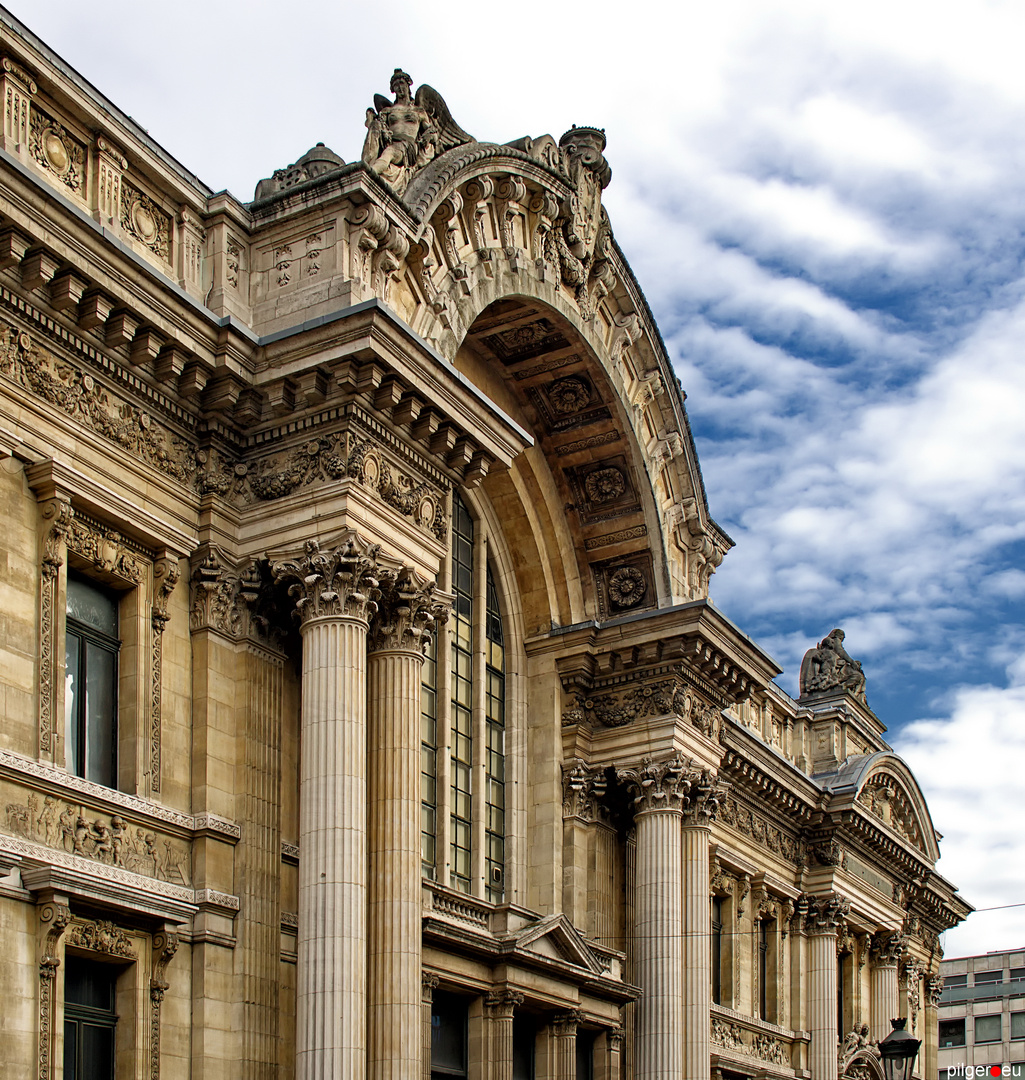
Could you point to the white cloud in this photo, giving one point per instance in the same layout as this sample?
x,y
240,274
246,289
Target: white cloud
x,y
970,767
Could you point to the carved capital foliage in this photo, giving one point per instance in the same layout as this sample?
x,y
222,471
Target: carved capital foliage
x,y
583,787
565,1024
501,1004
933,989
342,582
166,574
888,948
429,982
675,785
101,936
824,914
408,612
237,601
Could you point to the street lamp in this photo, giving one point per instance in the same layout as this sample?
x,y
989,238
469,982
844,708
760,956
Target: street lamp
x,y
898,1051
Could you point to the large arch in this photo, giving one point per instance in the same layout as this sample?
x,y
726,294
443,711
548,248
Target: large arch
x,y
511,273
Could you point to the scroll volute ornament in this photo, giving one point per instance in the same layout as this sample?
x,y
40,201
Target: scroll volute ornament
x,y
344,582
675,784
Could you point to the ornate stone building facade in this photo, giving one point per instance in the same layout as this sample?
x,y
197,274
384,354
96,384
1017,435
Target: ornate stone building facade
x,y
364,713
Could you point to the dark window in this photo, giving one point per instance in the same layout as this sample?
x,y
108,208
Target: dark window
x,y
1017,974
91,683
951,1033
987,1028
763,969
448,1035
1018,1025
988,978
89,1020
524,1039
585,1055
955,980
841,972
717,950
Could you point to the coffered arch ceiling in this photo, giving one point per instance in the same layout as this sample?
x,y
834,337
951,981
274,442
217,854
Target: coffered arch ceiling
x,y
512,278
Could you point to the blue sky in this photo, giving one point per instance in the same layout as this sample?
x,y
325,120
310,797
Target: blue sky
x,y
825,206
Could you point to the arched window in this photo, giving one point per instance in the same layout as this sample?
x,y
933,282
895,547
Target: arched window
x,y
463,787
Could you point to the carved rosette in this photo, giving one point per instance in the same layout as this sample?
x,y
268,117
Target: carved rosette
x,y
408,612
342,583
582,789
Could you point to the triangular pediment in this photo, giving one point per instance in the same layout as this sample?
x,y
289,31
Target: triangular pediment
x,y
555,938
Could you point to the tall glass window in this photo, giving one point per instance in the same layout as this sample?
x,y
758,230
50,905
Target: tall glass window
x,y
464,724
494,674
90,698
717,950
429,763
461,716
89,1020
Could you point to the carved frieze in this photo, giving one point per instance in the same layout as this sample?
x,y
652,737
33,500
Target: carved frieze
x,y
54,149
106,550
109,839
736,815
339,456
588,443
732,1037
79,395
143,219
621,536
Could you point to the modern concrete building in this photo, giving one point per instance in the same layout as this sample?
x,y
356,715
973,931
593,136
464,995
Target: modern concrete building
x,y
363,713
982,1012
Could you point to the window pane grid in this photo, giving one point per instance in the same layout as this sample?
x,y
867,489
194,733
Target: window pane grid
x,y
494,705
462,695
429,764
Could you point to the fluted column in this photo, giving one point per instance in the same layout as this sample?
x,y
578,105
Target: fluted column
x,y
887,950
823,919
658,789
499,1009
399,633
564,1029
700,805
336,594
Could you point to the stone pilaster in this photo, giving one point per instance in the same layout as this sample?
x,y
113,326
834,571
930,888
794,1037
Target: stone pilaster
x,y
582,788
499,1009
400,631
822,922
428,984
887,950
608,1063
928,1062
564,1037
336,594
700,804
658,790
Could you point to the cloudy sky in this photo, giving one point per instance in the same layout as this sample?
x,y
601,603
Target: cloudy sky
x,y
825,206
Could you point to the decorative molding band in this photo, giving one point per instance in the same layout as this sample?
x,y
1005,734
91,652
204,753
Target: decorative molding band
x,y
289,853
50,779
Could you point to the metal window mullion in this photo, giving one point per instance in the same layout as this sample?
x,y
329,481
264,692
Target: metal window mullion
x,y
443,757
478,787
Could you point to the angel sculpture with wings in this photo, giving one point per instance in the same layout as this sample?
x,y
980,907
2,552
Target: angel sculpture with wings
x,y
404,135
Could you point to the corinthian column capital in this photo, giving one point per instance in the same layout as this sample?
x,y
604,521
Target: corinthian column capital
x,y
657,785
341,582
704,795
409,609
825,913
888,948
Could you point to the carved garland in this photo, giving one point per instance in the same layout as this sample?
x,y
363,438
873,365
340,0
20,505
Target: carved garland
x,y
57,516
166,573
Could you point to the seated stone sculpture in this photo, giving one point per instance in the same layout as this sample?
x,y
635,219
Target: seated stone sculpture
x,y
828,668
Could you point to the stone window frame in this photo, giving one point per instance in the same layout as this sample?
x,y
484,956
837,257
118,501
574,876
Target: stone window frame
x,y
88,536
140,956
